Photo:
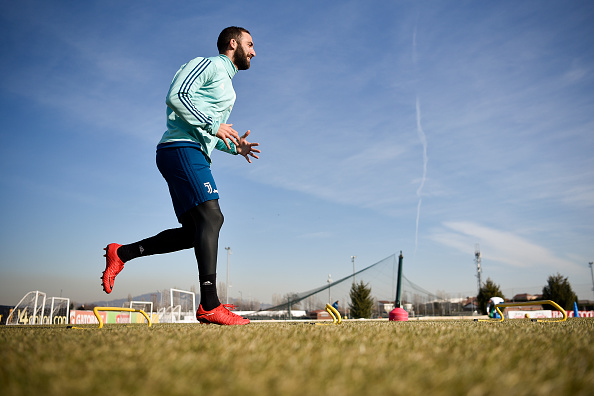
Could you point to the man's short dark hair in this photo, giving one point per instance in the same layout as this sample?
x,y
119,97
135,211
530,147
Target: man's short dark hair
x,y
232,32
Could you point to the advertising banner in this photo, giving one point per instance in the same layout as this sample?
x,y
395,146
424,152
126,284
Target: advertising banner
x,y
88,317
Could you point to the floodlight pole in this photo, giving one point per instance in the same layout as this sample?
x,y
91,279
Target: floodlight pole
x,y
288,306
592,273
353,260
228,249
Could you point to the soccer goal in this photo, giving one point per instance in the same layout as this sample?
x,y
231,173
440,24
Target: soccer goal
x,y
186,300
146,306
57,311
169,314
29,311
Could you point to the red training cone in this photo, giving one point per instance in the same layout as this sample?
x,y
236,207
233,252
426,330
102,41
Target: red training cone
x,y
398,314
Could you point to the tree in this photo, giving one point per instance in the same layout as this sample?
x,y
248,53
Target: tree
x,y
488,290
559,290
361,302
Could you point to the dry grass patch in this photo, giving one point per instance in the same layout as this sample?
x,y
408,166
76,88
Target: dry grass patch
x,y
380,358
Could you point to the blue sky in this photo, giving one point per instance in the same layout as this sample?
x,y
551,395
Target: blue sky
x,y
426,127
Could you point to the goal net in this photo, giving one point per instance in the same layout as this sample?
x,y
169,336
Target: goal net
x,y
178,306
57,311
381,278
29,311
137,317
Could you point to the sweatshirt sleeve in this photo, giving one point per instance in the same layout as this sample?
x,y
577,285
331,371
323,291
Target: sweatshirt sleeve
x,y
222,147
181,97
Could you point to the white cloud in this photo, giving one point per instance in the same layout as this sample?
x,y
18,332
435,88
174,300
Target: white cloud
x,y
577,71
505,247
506,101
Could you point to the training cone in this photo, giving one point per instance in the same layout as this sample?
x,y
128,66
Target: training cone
x,y
576,314
399,315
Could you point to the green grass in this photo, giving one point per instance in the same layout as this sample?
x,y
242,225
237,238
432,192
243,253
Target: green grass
x,y
516,357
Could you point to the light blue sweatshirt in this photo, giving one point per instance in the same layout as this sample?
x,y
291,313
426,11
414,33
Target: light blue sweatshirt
x,y
200,99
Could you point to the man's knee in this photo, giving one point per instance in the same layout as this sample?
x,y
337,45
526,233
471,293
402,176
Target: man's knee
x,y
216,218
209,212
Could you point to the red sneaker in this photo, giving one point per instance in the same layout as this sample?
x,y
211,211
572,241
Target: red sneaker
x,y
113,266
220,315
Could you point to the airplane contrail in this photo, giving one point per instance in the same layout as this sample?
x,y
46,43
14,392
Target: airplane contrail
x,y
423,139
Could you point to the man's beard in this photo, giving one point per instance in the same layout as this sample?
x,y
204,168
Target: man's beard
x,y
240,59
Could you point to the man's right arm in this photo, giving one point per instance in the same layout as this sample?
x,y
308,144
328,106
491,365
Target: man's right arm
x,y
181,96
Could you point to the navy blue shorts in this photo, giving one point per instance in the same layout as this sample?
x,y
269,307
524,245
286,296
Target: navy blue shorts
x,y
187,172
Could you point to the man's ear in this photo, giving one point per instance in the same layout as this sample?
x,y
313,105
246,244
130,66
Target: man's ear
x,y
233,44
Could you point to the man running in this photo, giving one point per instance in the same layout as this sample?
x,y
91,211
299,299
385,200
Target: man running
x,y
199,102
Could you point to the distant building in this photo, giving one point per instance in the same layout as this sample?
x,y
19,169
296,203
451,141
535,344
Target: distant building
x,y
385,306
526,297
470,304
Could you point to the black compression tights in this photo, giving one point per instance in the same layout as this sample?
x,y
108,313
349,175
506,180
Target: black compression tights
x,y
200,230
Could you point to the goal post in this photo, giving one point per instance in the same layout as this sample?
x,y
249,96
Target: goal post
x,y
186,300
146,306
29,311
169,314
59,311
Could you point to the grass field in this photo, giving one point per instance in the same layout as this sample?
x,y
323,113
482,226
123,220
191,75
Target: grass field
x,y
516,357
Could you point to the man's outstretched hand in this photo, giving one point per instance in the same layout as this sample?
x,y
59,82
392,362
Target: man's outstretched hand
x,y
246,148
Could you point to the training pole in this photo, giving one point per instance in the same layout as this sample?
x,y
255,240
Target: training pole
x,y
398,313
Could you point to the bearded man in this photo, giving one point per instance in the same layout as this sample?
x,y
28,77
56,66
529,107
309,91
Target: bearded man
x,y
199,103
